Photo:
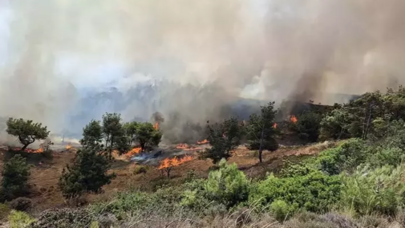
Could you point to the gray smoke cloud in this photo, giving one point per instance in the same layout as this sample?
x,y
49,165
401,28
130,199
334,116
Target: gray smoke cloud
x,y
63,62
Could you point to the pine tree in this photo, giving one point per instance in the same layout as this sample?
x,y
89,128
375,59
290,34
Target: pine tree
x,y
15,178
87,174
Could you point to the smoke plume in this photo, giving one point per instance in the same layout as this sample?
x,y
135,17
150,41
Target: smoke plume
x,y
64,62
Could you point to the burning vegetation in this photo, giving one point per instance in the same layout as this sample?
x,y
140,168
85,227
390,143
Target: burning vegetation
x,y
169,163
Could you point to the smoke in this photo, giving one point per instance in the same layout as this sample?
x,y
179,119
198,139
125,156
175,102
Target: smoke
x,y
64,62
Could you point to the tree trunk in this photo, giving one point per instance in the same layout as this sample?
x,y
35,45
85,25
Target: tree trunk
x,y
24,147
261,147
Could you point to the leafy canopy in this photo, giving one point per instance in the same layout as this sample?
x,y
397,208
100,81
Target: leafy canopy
x,y
26,130
92,133
224,138
260,130
147,135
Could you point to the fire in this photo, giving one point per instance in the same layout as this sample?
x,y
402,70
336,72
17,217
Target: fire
x,y
68,147
156,126
275,125
203,142
293,119
183,146
134,151
173,162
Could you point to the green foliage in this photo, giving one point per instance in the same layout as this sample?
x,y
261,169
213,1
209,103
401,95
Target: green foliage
x,y
131,129
112,129
368,191
308,125
280,210
336,124
26,130
140,169
260,131
15,178
87,174
147,135
18,219
315,191
4,211
345,157
92,133
224,138
227,185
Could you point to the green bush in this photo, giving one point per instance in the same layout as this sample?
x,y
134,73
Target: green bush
x,y
345,157
227,185
18,219
315,191
386,156
368,191
4,211
15,178
280,210
140,169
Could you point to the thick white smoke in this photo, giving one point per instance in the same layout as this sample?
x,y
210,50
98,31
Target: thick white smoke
x,y
54,53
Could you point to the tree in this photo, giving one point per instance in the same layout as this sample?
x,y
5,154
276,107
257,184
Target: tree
x,y
88,172
147,135
308,126
26,130
224,138
112,129
92,133
260,130
130,129
15,178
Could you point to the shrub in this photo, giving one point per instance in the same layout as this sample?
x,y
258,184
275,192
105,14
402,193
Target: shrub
x,y
4,211
18,219
21,204
386,156
15,178
63,218
280,210
140,169
345,157
227,185
315,191
368,191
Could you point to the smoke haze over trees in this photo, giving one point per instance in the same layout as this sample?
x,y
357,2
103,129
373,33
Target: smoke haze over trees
x,y
193,58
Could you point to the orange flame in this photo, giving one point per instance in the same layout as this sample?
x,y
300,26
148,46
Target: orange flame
x,y
202,142
68,147
183,146
167,163
275,125
156,126
293,119
134,151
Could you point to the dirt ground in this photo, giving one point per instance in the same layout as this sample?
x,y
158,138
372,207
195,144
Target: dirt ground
x,y
45,173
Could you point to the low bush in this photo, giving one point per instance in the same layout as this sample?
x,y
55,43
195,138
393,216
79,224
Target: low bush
x,y
4,211
63,218
228,185
345,157
280,210
315,191
18,219
140,169
21,204
15,178
370,191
